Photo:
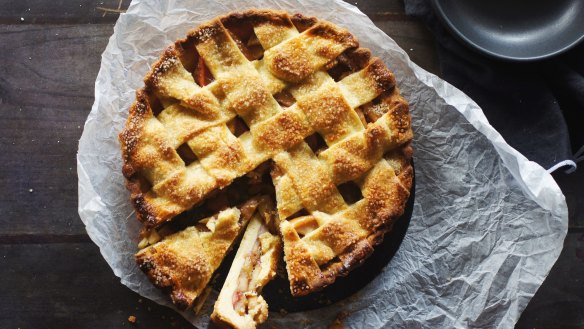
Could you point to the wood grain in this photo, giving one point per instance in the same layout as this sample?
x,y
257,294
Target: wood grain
x,y
46,92
60,11
415,39
70,285
107,11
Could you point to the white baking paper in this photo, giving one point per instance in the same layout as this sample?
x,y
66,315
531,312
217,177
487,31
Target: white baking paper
x,y
487,224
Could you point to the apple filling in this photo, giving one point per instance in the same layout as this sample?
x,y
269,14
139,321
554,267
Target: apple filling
x,y
240,304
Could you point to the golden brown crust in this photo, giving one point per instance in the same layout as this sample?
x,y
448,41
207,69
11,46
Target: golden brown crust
x,y
377,214
232,67
183,263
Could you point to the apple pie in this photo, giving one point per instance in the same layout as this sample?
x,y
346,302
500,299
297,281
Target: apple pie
x,y
264,107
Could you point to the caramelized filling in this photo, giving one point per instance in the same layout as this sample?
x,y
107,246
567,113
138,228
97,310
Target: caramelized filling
x,y
338,71
186,154
350,192
240,28
251,48
316,143
244,37
299,213
351,61
201,74
155,104
372,111
237,126
240,304
144,184
285,99
361,116
185,49
248,277
375,109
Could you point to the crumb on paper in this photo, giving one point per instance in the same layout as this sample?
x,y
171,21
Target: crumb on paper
x,y
132,319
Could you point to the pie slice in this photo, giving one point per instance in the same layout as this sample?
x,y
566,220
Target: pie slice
x,y
264,103
240,304
184,262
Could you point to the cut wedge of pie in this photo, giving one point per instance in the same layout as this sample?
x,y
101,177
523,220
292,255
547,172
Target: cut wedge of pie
x,y
261,103
240,304
184,262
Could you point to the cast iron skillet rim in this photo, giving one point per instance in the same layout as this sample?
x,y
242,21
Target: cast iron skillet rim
x,y
460,35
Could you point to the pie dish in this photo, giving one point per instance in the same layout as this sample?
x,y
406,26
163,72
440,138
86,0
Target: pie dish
x,y
256,108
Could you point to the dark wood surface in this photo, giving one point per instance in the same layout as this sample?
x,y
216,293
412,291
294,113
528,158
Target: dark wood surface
x,y
51,274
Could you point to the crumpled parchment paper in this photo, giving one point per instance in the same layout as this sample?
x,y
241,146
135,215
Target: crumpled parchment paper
x,y
487,224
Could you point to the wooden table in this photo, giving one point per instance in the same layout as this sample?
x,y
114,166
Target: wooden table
x,y
51,274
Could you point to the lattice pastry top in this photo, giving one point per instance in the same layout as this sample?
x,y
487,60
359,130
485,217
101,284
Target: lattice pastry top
x,y
296,93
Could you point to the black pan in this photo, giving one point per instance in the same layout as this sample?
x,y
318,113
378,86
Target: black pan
x,y
519,30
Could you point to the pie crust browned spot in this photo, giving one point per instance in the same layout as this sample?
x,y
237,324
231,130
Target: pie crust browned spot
x,y
261,91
